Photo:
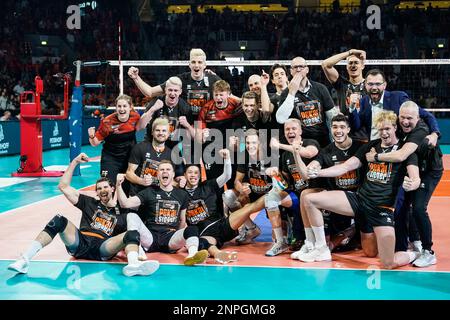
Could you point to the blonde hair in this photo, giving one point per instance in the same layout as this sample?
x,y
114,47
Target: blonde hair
x,y
196,52
221,85
295,120
160,122
125,97
385,116
174,81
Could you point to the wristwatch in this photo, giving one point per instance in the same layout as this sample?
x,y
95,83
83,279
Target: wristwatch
x,y
376,157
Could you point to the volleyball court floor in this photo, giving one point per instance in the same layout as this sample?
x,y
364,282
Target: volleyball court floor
x,y
27,204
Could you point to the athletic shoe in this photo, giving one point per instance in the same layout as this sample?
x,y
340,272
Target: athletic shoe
x,y
144,268
322,253
226,257
277,248
306,247
426,259
342,238
197,258
296,245
20,265
248,235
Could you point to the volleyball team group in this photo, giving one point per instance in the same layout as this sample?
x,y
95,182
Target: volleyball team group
x,y
357,176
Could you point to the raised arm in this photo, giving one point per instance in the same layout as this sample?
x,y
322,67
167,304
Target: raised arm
x,y
266,105
285,110
146,89
328,64
226,175
299,161
124,201
69,192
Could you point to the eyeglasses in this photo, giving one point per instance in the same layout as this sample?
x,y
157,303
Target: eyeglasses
x,y
374,84
299,66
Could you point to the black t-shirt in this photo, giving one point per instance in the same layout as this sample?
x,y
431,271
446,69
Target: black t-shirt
x,y
292,173
172,115
202,208
264,125
344,89
196,93
147,159
382,179
430,159
162,208
310,108
99,219
255,175
331,156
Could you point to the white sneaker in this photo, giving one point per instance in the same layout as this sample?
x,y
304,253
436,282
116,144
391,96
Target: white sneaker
x,y
144,268
322,253
306,247
20,265
277,248
426,259
225,257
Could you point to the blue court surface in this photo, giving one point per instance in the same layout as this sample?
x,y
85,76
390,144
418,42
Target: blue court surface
x,y
62,279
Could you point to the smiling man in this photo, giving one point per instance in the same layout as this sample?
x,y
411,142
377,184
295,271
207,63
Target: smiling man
x,y
349,89
372,204
172,107
164,215
413,133
197,84
102,231
379,99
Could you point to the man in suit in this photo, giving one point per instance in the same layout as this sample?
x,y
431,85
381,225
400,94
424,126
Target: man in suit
x,y
378,99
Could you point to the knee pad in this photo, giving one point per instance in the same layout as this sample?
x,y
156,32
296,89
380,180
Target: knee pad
x,y
203,244
231,200
56,225
272,200
132,237
190,231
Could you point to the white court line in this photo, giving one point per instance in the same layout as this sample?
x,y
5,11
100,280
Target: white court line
x,y
63,167
37,202
245,266
6,182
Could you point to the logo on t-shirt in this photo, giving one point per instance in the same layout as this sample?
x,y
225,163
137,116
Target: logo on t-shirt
x,y
379,172
103,222
309,113
197,211
167,212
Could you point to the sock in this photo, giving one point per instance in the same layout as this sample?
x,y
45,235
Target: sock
x,y
132,257
249,224
34,248
192,245
278,234
319,234
310,235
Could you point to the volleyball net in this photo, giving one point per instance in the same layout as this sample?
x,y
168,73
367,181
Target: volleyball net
x,y
426,81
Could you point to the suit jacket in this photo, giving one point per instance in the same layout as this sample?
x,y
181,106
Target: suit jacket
x,y
392,101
